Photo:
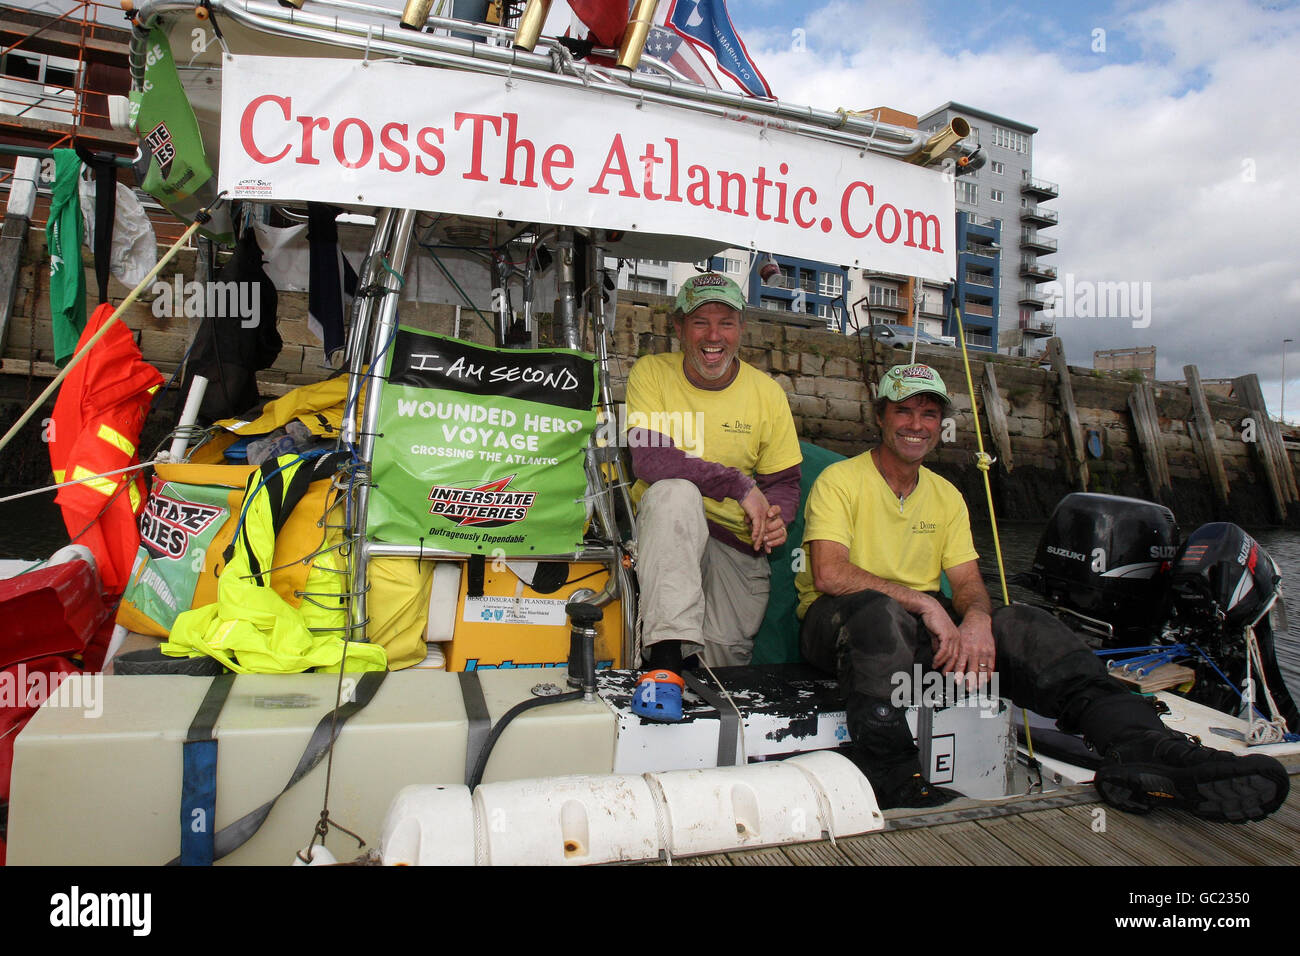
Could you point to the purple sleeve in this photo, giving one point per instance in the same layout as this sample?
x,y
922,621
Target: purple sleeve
x,y
655,457
781,488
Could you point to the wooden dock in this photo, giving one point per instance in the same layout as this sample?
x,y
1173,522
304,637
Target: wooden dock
x,y
1069,827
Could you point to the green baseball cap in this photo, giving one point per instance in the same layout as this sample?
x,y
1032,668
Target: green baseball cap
x,y
903,381
708,287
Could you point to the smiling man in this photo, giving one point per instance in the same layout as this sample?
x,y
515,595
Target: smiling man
x,y
717,461
879,531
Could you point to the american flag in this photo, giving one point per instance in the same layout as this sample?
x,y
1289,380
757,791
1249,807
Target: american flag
x,y
668,47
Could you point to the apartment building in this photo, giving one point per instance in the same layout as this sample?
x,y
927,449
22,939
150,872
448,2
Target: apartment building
x,y
1001,242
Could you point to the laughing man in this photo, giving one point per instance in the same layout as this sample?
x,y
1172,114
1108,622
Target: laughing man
x,y
717,461
879,530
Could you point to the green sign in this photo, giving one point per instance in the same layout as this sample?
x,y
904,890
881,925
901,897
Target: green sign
x,y
482,449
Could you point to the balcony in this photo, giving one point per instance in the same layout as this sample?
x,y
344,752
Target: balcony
x,y
977,308
892,304
1029,240
981,222
975,278
1033,298
783,281
1031,268
989,251
1040,187
1038,326
979,338
1040,215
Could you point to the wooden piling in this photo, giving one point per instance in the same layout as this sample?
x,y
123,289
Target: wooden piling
x,y
1146,425
1268,449
997,416
1207,443
1056,354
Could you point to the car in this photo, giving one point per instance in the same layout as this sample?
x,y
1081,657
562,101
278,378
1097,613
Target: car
x,y
900,336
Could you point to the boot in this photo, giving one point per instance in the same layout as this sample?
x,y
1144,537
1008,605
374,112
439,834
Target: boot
x,y
1146,765
884,751
1153,768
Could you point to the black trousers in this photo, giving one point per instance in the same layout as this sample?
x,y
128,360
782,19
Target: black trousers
x,y
867,638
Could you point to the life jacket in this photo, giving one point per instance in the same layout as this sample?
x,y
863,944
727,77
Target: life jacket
x,y
252,629
95,428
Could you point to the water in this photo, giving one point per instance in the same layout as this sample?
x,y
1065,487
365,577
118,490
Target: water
x,y
1020,540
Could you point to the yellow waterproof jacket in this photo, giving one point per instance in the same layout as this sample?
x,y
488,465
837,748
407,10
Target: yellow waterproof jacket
x,y
251,628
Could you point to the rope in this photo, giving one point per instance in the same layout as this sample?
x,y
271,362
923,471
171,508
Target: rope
x,y
78,481
982,459
1262,731
983,462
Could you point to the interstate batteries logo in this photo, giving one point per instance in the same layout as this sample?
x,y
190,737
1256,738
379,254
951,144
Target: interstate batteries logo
x,y
488,505
167,525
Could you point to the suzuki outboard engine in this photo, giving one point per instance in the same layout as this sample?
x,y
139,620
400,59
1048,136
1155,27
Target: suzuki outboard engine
x,y
1108,557
1224,582
1223,574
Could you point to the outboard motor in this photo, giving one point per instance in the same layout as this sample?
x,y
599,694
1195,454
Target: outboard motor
x,y
1224,582
1108,557
1223,574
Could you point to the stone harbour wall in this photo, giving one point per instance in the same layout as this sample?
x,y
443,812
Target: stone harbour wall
x,y
828,377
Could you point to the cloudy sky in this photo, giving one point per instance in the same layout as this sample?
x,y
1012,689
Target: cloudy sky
x,y
1170,127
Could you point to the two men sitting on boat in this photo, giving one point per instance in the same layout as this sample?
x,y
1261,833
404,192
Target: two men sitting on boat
x,y
716,495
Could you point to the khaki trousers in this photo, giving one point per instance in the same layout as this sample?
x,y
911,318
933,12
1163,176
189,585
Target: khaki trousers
x,y
695,589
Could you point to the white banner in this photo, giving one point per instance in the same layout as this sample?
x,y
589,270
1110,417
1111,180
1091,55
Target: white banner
x,y
393,134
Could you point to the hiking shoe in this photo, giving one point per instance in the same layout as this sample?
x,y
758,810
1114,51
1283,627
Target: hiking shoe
x,y
658,696
914,792
1162,768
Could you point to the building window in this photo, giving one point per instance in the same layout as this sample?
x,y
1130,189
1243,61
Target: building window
x,y
648,284
731,266
997,167
776,305
22,66
1010,139
880,295
995,195
968,192
832,284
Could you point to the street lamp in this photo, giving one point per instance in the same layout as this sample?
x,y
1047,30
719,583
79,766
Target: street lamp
x,y
1284,342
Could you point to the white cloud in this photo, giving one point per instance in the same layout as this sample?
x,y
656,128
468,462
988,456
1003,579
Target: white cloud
x,y
1174,167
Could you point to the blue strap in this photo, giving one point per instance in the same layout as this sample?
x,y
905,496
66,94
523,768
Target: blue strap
x,y
199,777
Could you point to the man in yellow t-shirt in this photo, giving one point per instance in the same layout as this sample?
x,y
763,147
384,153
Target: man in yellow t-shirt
x,y
717,461
879,531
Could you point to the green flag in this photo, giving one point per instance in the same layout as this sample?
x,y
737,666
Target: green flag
x,y
63,236
173,166
482,449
